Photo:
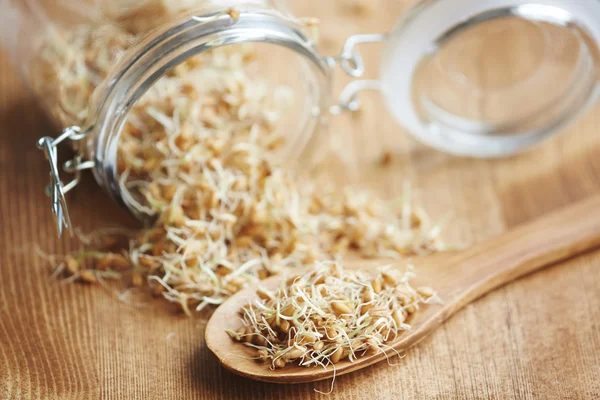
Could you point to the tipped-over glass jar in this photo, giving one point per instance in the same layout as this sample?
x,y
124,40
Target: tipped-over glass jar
x,y
482,78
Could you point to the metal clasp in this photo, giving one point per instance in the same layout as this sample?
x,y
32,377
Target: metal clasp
x,y
56,189
352,64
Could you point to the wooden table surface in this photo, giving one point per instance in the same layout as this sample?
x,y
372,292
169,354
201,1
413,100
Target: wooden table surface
x,y
537,338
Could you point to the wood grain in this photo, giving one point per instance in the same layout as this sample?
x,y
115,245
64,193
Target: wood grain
x,y
538,337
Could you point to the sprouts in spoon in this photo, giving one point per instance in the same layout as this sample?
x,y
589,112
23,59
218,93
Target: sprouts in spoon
x,y
330,314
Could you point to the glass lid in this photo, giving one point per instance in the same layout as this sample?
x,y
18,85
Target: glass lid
x,y
488,78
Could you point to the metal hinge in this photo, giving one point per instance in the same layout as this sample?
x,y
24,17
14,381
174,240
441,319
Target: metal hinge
x,y
56,189
352,64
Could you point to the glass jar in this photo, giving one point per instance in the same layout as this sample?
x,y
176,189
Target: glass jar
x,y
482,78
147,40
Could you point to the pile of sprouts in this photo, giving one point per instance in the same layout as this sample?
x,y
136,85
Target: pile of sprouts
x,y
330,315
196,158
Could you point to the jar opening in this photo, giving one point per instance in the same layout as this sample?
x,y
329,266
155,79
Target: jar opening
x,y
207,86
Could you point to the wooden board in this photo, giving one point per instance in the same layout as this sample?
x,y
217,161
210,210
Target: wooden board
x,y
536,338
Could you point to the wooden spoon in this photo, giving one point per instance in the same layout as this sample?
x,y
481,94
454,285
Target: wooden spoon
x,y
459,279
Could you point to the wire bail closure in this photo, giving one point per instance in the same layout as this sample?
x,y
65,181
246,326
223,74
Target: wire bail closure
x,y
56,189
351,62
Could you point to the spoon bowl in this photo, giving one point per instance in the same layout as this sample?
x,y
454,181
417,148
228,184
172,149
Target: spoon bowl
x,y
458,277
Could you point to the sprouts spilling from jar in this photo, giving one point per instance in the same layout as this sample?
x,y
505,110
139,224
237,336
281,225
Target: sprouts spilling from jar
x,y
330,315
195,156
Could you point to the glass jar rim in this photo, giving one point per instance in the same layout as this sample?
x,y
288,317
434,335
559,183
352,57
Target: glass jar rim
x,y
171,45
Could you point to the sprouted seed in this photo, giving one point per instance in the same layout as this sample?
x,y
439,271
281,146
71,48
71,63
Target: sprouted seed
x,y
386,158
196,157
331,314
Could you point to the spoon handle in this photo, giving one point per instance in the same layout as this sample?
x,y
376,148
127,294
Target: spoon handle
x,y
545,241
